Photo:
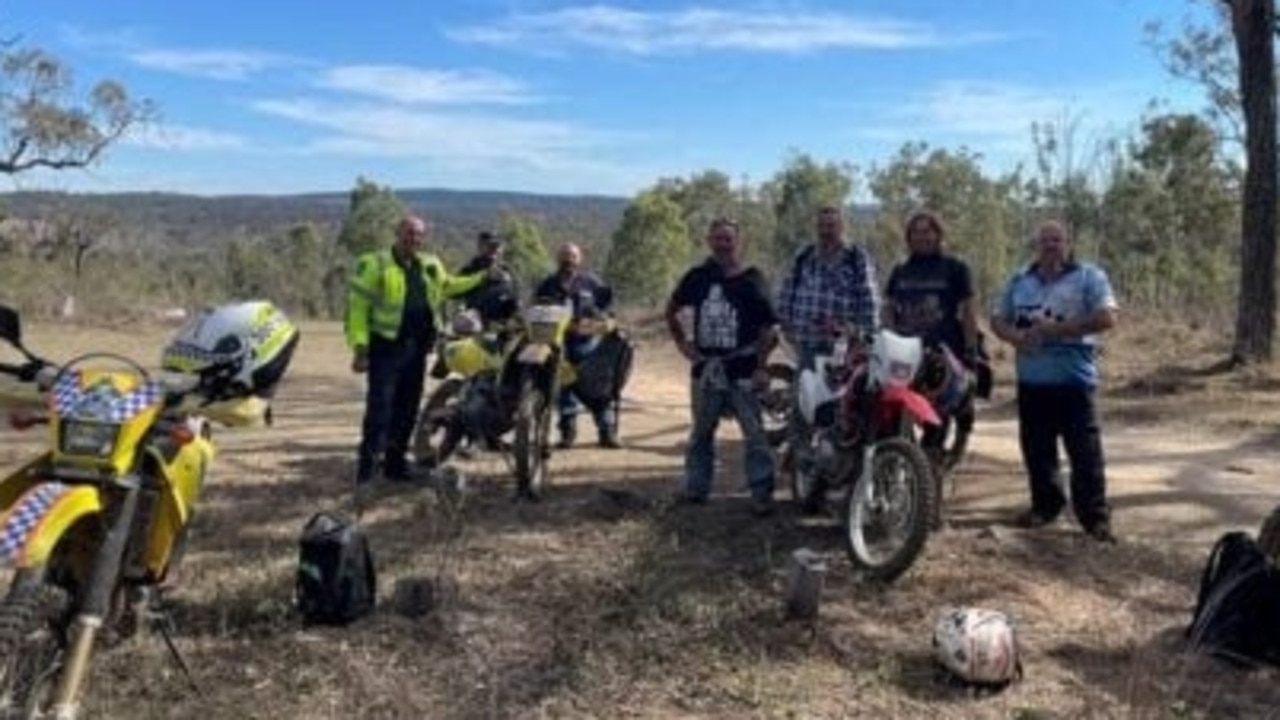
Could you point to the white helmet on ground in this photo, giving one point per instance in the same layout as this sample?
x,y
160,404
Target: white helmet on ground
x,y
977,646
236,349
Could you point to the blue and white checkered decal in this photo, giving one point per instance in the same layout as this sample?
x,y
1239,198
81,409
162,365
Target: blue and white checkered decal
x,y
102,401
24,516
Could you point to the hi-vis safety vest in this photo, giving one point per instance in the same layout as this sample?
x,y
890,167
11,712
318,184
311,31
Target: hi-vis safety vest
x,y
375,299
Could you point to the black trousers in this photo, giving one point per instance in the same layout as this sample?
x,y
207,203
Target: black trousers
x,y
393,391
1045,414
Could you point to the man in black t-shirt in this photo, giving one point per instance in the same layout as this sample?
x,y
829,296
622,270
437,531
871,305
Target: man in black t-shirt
x,y
734,330
930,296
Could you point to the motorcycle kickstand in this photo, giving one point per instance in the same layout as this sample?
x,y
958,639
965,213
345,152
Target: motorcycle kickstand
x,y
162,623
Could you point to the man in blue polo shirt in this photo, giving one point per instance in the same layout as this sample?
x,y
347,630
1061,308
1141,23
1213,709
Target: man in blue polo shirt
x,y
1051,312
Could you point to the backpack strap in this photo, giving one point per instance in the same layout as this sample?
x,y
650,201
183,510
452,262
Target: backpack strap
x,y
1230,542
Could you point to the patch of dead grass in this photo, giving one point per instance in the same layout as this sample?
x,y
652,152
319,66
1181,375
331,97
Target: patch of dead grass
x,y
616,604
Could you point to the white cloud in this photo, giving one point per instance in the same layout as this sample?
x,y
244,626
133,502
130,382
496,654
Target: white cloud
x,y
996,118
182,137
695,28
412,85
213,64
400,132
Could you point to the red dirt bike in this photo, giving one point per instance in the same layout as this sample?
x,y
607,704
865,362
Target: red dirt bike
x,y
864,413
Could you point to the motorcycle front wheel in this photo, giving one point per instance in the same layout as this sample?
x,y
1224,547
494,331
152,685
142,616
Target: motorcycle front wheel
x,y
887,511
434,440
532,447
33,636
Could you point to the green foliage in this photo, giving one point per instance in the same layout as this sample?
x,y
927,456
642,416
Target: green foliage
x,y
371,218
797,192
525,252
45,127
976,210
650,250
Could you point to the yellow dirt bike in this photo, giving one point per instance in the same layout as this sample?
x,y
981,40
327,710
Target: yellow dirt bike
x,y
499,384
95,523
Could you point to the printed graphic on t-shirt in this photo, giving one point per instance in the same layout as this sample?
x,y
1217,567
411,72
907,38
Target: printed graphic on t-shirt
x,y
717,321
919,308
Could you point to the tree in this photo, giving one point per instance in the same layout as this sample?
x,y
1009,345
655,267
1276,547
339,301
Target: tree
x,y
1203,52
649,250
526,253
371,219
797,191
1253,26
977,210
46,126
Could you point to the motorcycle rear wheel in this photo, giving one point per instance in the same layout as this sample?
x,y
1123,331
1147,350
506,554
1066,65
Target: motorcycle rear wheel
x,y
532,446
33,621
1269,536
899,472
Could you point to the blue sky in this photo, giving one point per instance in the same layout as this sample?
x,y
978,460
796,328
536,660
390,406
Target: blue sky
x,y
281,96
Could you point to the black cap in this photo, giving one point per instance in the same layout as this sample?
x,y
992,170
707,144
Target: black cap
x,y
489,238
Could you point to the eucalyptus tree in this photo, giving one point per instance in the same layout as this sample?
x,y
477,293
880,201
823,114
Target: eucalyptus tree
x,y
649,250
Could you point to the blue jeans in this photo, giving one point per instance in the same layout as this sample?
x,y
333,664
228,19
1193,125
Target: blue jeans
x,y
710,396
567,404
393,390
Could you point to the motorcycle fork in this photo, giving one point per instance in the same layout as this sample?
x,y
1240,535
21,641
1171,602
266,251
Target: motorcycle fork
x,y
96,602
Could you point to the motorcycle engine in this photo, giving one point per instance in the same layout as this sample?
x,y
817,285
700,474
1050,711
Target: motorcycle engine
x,y
481,409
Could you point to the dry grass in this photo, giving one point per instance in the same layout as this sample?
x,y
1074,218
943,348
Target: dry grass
x,y
606,601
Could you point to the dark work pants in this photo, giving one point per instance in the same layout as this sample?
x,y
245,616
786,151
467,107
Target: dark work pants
x,y
1045,414
393,391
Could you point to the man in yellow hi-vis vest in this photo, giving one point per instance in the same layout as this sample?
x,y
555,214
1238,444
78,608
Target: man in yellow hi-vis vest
x,y
393,312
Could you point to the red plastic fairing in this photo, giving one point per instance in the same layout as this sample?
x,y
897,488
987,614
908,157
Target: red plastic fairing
x,y
897,398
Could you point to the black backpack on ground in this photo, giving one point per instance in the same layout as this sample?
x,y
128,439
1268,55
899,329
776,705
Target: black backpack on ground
x,y
336,580
1237,615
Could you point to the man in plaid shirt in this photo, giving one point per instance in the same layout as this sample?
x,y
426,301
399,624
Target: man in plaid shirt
x,y
832,284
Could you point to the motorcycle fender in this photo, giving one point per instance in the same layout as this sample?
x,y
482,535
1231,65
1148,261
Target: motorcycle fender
x,y
32,526
534,354
912,402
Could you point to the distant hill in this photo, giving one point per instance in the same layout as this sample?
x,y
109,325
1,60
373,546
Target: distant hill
x,y
190,221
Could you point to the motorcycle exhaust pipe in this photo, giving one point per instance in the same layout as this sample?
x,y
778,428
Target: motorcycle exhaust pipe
x,y
97,601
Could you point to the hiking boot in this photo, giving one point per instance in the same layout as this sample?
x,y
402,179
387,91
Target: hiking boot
x,y
762,507
1101,532
1032,520
568,435
609,440
684,497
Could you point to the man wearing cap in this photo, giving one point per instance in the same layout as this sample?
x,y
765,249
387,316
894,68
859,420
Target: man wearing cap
x,y
498,297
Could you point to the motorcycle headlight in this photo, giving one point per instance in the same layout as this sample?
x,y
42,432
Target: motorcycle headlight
x,y
89,439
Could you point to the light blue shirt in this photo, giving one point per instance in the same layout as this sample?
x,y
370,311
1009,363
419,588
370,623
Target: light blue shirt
x,y
1080,291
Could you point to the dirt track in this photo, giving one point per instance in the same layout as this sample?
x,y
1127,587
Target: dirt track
x,y
604,602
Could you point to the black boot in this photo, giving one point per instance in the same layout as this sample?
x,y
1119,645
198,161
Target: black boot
x,y
568,432
609,438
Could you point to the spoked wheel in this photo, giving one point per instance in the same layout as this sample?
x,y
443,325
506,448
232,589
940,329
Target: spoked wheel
x,y
435,438
778,402
887,516
532,446
32,641
1269,536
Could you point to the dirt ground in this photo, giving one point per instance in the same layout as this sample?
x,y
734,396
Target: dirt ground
x,y
606,601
